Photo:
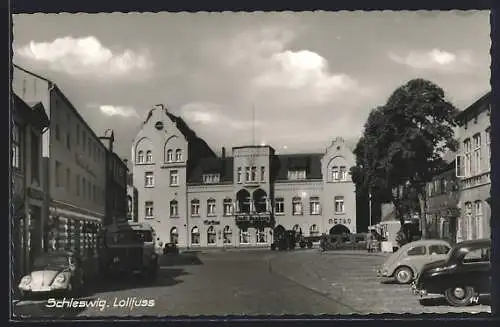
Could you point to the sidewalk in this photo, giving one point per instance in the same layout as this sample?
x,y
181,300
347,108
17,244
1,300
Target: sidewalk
x,y
357,252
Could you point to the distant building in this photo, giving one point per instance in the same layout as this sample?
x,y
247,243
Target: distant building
x,y
474,168
132,200
116,183
194,198
73,163
29,124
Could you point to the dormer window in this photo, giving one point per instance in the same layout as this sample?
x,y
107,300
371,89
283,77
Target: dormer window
x,y
178,155
149,157
297,174
211,178
170,156
140,157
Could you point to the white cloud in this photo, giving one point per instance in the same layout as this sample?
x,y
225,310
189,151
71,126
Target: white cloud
x,y
435,59
85,56
111,110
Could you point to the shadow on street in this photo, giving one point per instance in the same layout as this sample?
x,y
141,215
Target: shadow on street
x,y
441,301
183,259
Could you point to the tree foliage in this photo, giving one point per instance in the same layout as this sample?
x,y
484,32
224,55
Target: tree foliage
x,y
403,143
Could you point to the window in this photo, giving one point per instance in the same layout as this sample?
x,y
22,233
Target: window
x,y
262,173
211,236
174,235
77,183
467,155
16,146
477,153
244,236
227,235
140,157
195,207
57,130
58,174
314,206
476,225
279,206
174,178
195,236
335,173
487,141
313,230
84,187
211,178
253,174
210,207
228,207
35,158
178,155
247,174
418,250
297,206
261,235
68,179
149,156
148,208
296,174
343,173
477,255
438,249
149,179
174,209
77,134
170,156
339,204
238,175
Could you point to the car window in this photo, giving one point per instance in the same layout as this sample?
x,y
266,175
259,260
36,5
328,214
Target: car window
x,y
477,255
418,250
438,249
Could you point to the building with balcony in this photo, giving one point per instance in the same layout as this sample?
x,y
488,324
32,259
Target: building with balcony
x,y
73,163
194,198
28,196
473,170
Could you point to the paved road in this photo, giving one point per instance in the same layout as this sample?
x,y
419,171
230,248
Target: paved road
x,y
351,279
216,283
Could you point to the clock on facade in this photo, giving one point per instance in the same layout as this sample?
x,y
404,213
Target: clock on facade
x,y
159,125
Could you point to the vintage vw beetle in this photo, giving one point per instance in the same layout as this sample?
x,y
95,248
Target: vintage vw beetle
x,y
53,271
461,277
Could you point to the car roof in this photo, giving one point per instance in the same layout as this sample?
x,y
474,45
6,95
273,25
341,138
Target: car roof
x,y
426,242
474,243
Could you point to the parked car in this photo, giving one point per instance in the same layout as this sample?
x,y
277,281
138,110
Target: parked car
x,y
170,249
54,271
405,264
463,275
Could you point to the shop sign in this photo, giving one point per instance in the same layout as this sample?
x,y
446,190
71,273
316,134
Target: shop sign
x,y
340,221
211,222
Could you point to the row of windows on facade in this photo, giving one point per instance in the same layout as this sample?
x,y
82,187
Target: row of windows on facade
x,y
170,156
441,186
19,148
227,235
83,186
472,154
470,225
149,180
335,174
229,207
88,145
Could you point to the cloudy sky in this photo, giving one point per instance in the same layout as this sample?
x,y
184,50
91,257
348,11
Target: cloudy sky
x,y
309,76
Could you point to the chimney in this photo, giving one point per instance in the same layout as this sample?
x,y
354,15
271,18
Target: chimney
x,y
223,152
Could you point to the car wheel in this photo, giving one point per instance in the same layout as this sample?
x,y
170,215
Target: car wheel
x,y
459,296
403,275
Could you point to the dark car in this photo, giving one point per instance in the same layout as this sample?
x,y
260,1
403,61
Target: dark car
x,y
461,277
170,249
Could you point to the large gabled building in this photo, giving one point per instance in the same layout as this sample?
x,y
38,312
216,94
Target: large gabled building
x,y
195,198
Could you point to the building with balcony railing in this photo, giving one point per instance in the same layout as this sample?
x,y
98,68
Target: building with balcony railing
x,y
473,170
195,198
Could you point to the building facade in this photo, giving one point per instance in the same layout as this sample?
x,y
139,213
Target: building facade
x,y
28,125
116,183
132,199
74,165
443,194
474,168
194,198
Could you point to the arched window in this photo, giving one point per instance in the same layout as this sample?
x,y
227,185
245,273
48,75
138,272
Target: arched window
x,y
227,235
195,236
174,235
313,230
174,209
178,155
170,156
211,236
140,157
244,236
149,156
261,235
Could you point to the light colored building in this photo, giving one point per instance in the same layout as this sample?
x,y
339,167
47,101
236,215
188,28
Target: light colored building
x,y
194,198
474,135
74,164
28,125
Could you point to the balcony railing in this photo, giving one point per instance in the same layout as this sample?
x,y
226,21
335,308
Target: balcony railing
x,y
476,180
